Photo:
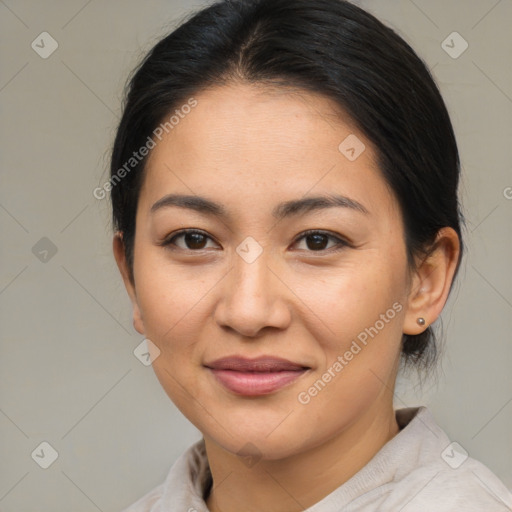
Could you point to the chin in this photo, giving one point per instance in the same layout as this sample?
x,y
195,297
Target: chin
x,y
265,436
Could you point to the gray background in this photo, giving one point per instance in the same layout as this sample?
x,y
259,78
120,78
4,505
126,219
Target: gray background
x,y
68,373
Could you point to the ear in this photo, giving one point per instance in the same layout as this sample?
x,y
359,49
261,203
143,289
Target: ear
x,y
120,256
432,281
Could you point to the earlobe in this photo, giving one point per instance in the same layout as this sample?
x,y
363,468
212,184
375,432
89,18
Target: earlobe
x,y
122,264
432,282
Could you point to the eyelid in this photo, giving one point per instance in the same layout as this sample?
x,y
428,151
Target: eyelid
x,y
167,240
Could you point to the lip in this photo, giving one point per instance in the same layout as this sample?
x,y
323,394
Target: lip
x,y
253,377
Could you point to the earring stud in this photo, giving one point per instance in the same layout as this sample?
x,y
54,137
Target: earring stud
x,y
421,321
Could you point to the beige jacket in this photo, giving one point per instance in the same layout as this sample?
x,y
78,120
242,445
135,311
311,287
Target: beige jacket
x,y
419,470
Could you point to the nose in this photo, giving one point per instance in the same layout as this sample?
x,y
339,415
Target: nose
x,y
253,296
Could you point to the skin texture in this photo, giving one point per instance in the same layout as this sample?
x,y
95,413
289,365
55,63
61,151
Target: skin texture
x,y
249,148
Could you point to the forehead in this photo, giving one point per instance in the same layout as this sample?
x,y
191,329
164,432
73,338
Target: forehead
x,y
254,117
253,143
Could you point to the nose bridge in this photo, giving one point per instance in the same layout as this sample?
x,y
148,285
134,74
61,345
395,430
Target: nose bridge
x,y
252,297
251,272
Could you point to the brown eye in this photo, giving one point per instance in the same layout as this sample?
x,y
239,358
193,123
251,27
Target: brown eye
x,y
317,241
192,240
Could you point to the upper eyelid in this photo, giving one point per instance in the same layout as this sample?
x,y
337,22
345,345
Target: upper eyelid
x,y
185,232
168,239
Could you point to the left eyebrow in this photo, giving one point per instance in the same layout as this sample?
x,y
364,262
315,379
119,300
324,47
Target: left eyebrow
x,y
308,204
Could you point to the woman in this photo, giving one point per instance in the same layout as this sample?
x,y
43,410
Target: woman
x,y
284,190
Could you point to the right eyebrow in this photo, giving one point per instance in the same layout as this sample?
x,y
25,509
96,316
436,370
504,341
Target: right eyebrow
x,y
197,203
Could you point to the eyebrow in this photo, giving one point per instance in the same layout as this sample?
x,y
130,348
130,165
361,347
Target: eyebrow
x,y
281,211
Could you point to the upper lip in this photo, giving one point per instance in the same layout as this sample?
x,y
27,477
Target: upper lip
x,y
259,364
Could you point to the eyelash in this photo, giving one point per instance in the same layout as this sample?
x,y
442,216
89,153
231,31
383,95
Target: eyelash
x,y
341,244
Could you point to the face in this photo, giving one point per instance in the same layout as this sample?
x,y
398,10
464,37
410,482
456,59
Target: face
x,y
250,281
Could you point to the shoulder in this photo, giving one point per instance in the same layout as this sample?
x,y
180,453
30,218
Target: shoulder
x,y
183,486
471,487
436,474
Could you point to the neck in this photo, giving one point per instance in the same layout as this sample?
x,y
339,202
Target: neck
x,y
289,484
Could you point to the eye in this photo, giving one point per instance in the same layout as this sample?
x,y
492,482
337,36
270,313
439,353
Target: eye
x,y
317,241
193,240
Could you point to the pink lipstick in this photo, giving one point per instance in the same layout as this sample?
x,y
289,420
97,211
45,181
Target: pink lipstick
x,y
253,377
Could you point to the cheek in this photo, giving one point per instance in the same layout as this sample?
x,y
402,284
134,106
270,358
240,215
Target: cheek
x,y
169,296
354,297
364,309
173,315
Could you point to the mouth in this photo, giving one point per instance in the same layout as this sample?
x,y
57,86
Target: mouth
x,y
254,377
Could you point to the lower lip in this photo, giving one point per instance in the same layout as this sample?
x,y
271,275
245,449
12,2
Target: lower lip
x,y
255,383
